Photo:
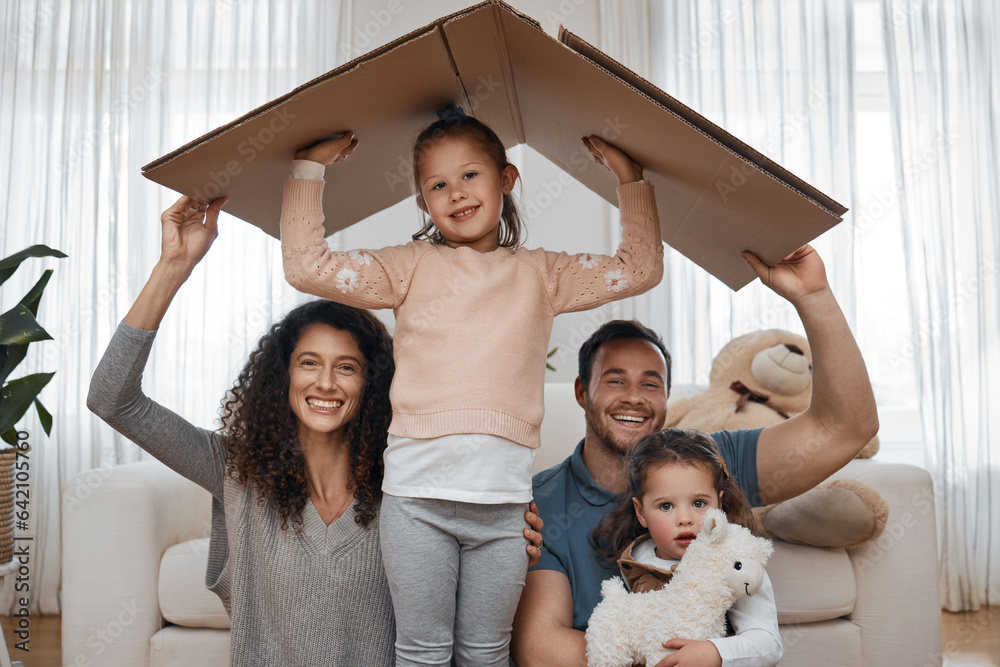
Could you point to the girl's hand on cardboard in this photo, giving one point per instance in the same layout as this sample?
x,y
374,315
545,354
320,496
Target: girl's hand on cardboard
x,y
328,151
625,169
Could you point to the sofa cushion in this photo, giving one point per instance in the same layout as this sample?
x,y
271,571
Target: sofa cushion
x,y
174,646
184,600
811,584
836,643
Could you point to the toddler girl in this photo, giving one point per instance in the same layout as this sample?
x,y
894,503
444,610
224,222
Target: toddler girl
x,y
675,476
474,313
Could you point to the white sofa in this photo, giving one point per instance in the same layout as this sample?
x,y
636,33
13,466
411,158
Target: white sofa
x,y
135,549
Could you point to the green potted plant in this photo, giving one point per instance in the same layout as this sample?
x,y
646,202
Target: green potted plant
x,y
18,329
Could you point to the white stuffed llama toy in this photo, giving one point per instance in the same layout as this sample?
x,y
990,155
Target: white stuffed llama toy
x,y
725,562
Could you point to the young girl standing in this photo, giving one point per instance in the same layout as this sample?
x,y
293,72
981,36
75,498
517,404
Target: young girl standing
x,y
675,476
474,313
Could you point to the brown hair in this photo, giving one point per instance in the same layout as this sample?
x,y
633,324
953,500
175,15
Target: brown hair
x,y
259,429
453,123
670,446
617,330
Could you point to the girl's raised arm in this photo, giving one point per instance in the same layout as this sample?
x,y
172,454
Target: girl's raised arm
x,y
359,278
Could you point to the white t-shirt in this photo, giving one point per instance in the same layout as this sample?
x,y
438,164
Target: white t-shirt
x,y
754,619
468,468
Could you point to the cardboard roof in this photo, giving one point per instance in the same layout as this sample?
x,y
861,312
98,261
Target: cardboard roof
x,y
716,195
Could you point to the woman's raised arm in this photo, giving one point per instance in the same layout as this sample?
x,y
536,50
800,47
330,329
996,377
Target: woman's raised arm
x,y
187,230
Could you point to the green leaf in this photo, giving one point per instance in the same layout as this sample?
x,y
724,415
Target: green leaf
x,y
17,395
10,436
9,265
18,326
10,357
44,417
34,295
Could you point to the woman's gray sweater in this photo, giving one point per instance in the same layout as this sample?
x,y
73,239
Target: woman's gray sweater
x,y
315,597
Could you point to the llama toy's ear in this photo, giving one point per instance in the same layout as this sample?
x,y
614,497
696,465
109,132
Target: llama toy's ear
x,y
713,526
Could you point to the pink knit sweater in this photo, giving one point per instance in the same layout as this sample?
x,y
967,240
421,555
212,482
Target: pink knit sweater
x,y
472,329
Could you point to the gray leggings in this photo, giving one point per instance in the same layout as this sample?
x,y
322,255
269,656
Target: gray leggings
x,y
455,573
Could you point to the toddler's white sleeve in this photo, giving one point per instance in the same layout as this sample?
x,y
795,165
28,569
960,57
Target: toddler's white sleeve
x,y
757,642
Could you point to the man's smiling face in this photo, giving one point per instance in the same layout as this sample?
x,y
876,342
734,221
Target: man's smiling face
x,y
626,397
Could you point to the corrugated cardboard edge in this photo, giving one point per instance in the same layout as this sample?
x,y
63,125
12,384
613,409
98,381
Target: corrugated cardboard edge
x,y
698,122
346,67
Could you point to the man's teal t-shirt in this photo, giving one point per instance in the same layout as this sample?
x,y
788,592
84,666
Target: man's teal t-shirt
x,y
572,504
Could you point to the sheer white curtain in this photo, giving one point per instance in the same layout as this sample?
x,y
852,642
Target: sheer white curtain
x,y
778,75
915,262
944,86
92,90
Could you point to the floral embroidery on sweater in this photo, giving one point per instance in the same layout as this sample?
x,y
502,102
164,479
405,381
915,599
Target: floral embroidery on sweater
x,y
589,261
360,256
347,280
615,281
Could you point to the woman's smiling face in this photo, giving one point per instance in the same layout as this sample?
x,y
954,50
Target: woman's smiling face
x,y
326,382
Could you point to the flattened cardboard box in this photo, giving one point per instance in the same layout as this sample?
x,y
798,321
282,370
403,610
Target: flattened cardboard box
x,y
716,195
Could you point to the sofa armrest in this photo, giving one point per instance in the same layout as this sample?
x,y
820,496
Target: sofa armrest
x,y
116,524
898,606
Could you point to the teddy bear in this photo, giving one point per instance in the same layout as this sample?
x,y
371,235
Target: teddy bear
x,y
763,378
724,563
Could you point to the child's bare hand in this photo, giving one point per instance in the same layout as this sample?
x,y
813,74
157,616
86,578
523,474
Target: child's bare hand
x,y
690,653
533,533
331,150
625,169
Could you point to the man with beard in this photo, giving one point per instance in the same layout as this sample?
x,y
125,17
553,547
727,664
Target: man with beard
x,y
623,383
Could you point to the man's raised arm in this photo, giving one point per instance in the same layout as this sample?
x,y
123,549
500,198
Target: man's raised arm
x,y
796,455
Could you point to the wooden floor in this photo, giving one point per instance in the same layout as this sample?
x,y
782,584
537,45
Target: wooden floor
x,y
971,639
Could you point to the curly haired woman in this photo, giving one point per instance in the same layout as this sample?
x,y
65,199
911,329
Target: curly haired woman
x,y
295,472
